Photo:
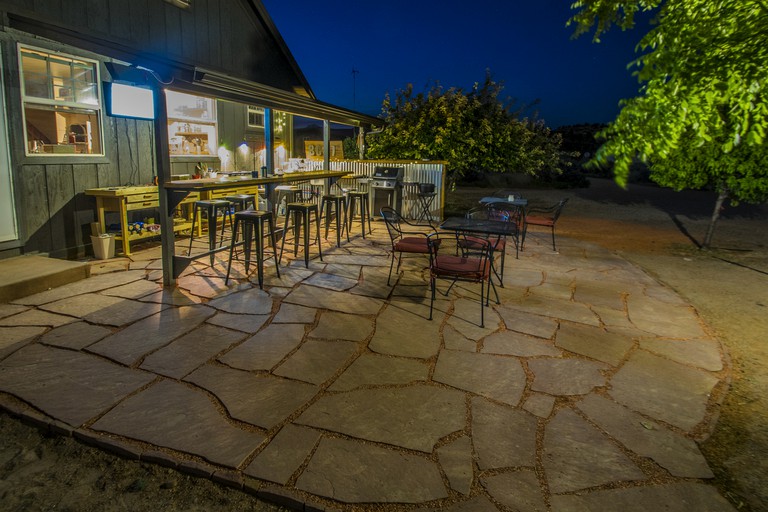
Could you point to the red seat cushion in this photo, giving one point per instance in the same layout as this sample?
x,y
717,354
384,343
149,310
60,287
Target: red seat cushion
x,y
412,244
539,221
447,265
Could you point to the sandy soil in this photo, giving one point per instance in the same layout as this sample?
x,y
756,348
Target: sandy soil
x,y
657,229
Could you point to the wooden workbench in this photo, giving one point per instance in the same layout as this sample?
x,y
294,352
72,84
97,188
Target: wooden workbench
x,y
126,199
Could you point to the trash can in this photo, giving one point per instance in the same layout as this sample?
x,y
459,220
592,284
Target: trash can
x,y
103,246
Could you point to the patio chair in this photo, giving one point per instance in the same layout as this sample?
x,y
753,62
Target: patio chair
x,y
405,237
546,217
452,261
515,215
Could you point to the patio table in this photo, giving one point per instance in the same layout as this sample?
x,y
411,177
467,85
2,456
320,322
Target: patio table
x,y
520,201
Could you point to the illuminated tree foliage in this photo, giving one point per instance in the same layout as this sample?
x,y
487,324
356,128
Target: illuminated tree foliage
x,y
701,117
470,131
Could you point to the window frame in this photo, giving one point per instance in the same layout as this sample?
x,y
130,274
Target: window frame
x,y
96,110
214,122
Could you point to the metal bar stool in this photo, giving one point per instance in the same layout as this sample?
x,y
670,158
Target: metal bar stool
x,y
289,193
211,207
301,213
241,201
361,198
329,204
254,220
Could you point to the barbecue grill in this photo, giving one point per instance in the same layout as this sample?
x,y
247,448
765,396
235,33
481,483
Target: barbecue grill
x,y
386,189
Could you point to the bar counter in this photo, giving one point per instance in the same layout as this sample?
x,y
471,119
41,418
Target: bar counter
x,y
177,191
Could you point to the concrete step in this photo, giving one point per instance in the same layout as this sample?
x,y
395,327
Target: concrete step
x,y
26,275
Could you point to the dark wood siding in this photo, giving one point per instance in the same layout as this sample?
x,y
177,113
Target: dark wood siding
x,y
223,35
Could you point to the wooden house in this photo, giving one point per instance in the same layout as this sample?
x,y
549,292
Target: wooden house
x,y
232,90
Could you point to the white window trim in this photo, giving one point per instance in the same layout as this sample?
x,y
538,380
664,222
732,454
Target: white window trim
x,y
98,109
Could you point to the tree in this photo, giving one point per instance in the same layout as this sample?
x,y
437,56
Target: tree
x,y
470,131
701,117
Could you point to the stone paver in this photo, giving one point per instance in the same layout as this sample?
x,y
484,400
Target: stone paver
x,y
284,455
266,348
519,490
244,323
566,376
70,386
315,297
92,284
340,326
702,353
76,335
593,342
353,472
332,387
317,361
105,310
503,437
174,408
188,352
671,392
250,302
378,370
414,417
36,317
578,456
293,314
136,340
261,400
395,334
515,344
456,461
674,452
501,378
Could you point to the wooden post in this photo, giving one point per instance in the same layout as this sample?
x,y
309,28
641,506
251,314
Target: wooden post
x,y
163,167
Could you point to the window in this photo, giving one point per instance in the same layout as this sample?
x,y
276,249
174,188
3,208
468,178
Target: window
x,y
61,103
255,117
191,124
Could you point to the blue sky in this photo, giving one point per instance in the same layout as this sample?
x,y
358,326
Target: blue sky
x,y
525,44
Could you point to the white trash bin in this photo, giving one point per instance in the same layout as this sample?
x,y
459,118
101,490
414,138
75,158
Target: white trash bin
x,y
103,246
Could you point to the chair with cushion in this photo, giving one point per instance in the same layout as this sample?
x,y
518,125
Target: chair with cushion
x,y
451,260
405,237
546,217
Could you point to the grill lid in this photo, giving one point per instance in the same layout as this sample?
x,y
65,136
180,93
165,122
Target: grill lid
x,y
388,173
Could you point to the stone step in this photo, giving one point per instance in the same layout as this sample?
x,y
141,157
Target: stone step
x,y
21,276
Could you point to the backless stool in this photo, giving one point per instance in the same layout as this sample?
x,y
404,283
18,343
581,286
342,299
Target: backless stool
x,y
335,204
301,214
241,201
211,207
254,223
358,197
289,193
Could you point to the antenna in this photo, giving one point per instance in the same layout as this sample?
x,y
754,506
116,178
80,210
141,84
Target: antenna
x,y
354,86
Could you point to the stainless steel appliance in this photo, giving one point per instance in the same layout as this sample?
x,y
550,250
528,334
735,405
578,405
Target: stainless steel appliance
x,y
386,189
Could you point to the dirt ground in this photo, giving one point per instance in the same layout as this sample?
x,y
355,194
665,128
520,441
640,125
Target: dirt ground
x,y
655,228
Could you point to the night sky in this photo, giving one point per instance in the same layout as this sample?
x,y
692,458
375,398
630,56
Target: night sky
x,y
524,43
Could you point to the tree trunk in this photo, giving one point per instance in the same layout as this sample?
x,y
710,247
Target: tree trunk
x,y
721,197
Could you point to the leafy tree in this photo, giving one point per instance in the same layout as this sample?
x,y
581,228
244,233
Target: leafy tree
x,y
700,120
470,131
